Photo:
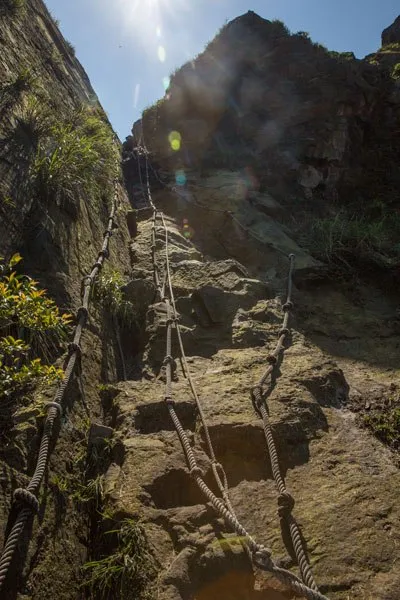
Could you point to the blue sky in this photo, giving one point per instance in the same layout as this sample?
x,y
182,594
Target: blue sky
x,y
129,47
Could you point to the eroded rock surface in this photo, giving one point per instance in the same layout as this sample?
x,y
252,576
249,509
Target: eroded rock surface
x,y
344,481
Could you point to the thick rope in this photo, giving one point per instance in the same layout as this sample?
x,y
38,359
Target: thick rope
x,y
285,500
261,555
28,497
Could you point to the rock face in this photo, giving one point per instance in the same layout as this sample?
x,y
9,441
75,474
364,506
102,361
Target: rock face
x,y
391,35
273,131
343,480
291,110
58,249
276,134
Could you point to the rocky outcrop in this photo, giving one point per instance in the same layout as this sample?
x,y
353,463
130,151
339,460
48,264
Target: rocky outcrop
x,y
391,35
272,134
58,249
307,121
343,480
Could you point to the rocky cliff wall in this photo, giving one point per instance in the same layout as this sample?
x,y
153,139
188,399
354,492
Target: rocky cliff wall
x,y
251,173
262,141
59,234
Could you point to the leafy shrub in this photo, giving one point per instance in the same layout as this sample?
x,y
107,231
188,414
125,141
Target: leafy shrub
x,y
278,28
343,56
303,34
126,573
30,325
71,48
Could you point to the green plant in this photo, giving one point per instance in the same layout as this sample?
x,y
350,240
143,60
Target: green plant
x,y
392,47
12,7
92,491
71,48
396,71
34,119
108,293
343,237
385,426
30,325
60,483
77,156
342,55
128,572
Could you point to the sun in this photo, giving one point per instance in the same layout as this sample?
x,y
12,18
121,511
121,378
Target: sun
x,y
145,20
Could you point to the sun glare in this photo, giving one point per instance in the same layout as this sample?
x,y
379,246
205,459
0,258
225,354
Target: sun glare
x,y
144,20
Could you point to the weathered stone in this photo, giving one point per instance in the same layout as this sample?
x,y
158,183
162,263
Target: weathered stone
x,y
140,292
98,433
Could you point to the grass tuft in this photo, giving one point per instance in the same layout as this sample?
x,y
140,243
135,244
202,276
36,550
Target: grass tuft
x,y
76,156
128,572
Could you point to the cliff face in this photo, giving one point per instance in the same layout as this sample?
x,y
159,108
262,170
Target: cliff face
x,y
267,144
45,95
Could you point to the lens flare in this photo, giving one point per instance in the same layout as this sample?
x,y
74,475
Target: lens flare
x,y
161,53
187,230
175,139
180,177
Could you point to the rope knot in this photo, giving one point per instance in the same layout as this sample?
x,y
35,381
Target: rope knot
x,y
262,558
87,280
98,264
82,311
74,347
108,232
287,306
104,252
168,360
195,472
285,504
55,405
271,359
284,331
169,400
26,497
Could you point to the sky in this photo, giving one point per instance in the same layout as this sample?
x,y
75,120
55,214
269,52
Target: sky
x,y
130,47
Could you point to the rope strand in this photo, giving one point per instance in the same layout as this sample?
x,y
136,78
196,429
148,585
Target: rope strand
x,y
54,408
261,555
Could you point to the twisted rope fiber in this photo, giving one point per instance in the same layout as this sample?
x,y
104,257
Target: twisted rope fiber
x,y
28,497
261,555
221,480
285,500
